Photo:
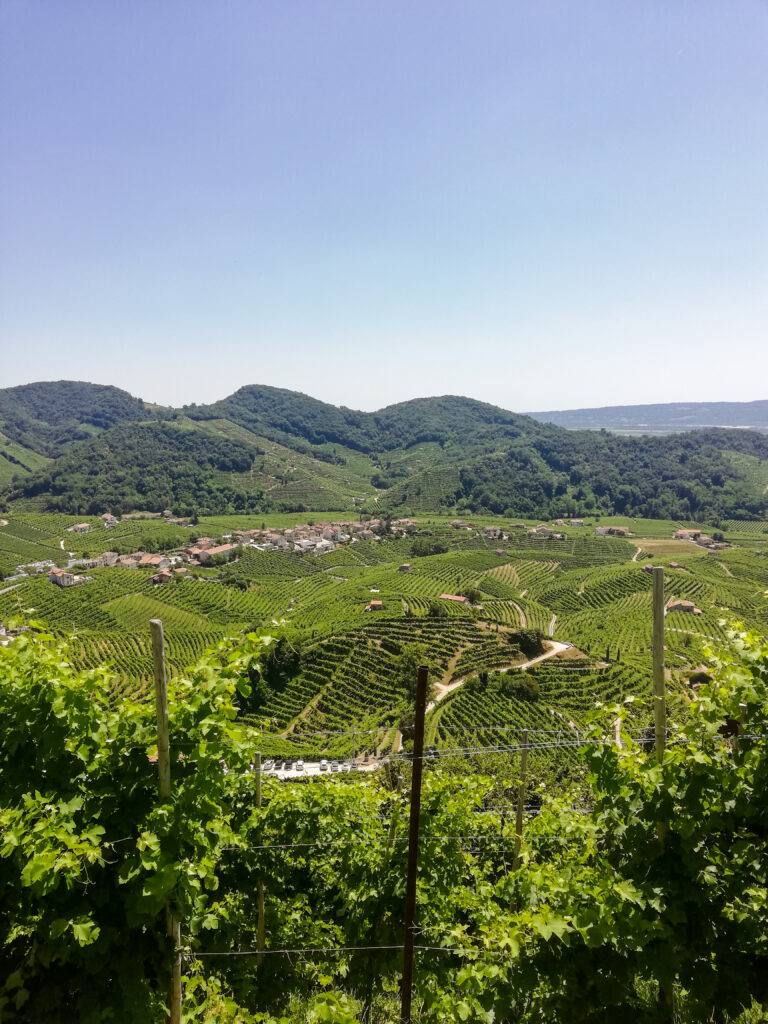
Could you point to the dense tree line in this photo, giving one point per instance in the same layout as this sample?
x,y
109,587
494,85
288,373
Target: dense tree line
x,y
281,414
681,476
48,415
149,467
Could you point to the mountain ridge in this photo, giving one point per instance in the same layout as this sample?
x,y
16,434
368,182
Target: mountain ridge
x,y
264,448
662,416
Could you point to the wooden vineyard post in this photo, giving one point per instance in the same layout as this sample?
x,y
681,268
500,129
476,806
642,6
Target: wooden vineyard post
x,y
659,685
413,843
173,925
666,990
260,882
520,802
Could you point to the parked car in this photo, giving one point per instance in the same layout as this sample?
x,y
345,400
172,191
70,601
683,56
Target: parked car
x,y
299,765
288,765
268,765
323,765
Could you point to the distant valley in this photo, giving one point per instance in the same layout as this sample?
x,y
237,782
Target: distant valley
x,y
661,419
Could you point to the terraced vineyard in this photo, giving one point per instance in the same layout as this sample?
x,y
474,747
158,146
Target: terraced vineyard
x,y
587,591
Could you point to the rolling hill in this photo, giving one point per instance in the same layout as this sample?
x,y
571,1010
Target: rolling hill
x,y
82,449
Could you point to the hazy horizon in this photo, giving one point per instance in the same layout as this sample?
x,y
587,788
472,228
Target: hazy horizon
x,y
540,206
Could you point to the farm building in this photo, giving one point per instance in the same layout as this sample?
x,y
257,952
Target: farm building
x,y
155,561
79,528
492,532
374,606
542,530
612,531
683,606
222,549
405,567
161,578
687,534
62,578
454,597
577,522
108,519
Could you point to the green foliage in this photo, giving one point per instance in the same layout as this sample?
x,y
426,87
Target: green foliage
x,y
147,467
606,903
267,447
46,416
423,546
88,856
530,642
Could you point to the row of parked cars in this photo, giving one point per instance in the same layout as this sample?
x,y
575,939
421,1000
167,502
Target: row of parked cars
x,y
279,765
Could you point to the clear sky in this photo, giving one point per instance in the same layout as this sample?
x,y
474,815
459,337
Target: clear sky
x,y
538,203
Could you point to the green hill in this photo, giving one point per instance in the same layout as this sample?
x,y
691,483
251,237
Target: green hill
x,y
269,449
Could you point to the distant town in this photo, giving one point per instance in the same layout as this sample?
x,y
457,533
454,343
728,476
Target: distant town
x,y
307,539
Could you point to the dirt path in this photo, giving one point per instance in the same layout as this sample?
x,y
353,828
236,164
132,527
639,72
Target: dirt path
x,y
3,522
521,613
7,590
443,689
726,569
552,623
636,555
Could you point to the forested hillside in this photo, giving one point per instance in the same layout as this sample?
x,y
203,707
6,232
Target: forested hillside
x,y
268,449
148,467
48,415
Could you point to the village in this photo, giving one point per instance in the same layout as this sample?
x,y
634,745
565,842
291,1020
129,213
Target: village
x,y
311,538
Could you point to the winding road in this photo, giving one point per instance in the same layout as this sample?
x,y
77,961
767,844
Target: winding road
x,y
443,689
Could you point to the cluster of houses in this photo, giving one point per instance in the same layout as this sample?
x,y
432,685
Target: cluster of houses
x,y
316,539
697,537
322,537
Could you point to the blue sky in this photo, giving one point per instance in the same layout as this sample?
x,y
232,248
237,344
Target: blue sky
x,y
540,204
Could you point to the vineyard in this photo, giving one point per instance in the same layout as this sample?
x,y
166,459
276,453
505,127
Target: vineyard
x,y
547,632
588,591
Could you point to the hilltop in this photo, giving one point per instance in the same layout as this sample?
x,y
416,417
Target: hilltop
x,y
82,448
